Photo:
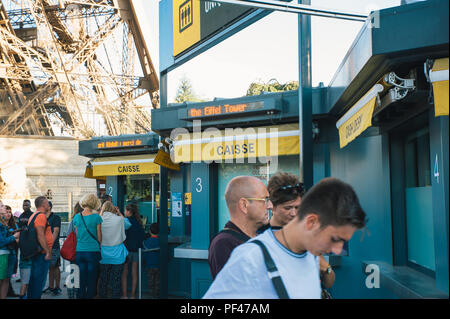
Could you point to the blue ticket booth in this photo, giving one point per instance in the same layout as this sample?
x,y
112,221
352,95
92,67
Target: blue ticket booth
x,y
381,125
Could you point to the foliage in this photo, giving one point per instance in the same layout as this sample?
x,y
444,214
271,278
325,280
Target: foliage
x,y
272,85
185,92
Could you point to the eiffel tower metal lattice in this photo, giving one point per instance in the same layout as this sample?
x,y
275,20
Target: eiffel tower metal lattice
x,y
74,68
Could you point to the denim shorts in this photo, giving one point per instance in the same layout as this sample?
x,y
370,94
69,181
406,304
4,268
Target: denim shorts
x,y
25,276
56,261
133,256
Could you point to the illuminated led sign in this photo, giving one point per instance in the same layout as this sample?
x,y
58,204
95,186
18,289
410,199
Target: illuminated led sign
x,y
230,108
224,110
119,144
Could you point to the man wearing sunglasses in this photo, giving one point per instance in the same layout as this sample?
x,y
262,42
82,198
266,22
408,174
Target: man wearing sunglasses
x,y
328,216
248,203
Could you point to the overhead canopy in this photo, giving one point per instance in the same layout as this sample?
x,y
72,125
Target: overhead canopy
x,y
124,165
359,117
236,143
439,79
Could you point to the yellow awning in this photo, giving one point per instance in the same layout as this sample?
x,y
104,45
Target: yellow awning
x,y
89,172
235,143
439,80
125,165
359,117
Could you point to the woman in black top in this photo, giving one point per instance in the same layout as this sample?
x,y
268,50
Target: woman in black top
x,y
135,236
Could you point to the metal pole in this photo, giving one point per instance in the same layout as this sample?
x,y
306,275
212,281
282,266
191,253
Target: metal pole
x,y
153,198
140,275
305,99
303,8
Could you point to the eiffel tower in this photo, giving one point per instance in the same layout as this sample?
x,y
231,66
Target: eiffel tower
x,y
74,68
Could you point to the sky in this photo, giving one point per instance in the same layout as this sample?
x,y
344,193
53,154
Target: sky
x,y
268,49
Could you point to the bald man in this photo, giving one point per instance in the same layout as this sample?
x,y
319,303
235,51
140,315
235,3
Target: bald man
x,y
248,203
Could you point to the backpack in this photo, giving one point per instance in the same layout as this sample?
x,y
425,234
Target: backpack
x,y
28,243
68,249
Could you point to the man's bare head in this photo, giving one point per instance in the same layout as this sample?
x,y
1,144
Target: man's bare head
x,y
245,197
239,187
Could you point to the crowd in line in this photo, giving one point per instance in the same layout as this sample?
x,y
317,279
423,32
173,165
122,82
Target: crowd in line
x,y
107,244
254,257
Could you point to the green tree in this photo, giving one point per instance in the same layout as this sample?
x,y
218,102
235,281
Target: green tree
x,y
185,92
272,85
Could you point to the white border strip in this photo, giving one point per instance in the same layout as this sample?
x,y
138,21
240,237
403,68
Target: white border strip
x,y
230,138
136,161
438,76
377,88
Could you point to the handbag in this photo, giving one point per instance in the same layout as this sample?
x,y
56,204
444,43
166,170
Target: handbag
x,y
69,248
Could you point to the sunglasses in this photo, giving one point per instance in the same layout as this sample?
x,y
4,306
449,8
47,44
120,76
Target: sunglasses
x,y
297,187
265,199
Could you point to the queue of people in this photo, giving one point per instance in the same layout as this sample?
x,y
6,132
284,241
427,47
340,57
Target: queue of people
x,y
254,257
107,244
290,245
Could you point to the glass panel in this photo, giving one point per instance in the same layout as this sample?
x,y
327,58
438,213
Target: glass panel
x,y
419,220
287,164
138,190
419,214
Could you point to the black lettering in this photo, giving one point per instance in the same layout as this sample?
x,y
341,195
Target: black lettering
x,y
251,148
220,150
119,169
227,150
237,149
244,148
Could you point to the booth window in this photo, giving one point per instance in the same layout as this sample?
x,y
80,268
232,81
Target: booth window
x,y
138,190
418,199
412,211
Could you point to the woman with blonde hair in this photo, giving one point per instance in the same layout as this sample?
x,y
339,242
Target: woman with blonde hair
x,y
89,236
113,251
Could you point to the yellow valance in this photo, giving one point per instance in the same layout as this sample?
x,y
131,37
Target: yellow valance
x,y
359,117
439,79
236,143
124,165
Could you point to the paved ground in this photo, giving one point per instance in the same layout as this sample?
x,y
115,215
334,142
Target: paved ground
x,y
16,286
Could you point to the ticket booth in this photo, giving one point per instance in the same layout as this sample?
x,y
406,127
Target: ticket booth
x,y
128,165
389,106
214,142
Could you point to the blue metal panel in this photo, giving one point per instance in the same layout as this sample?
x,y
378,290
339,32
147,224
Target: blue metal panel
x,y
115,187
200,279
364,164
201,180
176,187
165,37
439,181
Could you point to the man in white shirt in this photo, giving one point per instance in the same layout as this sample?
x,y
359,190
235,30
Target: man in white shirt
x,y
328,216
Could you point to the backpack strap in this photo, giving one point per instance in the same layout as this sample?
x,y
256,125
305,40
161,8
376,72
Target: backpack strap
x,y
272,271
31,224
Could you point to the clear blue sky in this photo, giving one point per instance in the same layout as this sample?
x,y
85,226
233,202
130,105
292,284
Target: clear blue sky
x,y
265,50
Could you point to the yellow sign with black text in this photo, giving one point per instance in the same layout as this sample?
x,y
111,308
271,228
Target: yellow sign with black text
x,y
163,159
124,165
439,77
237,144
186,24
356,124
